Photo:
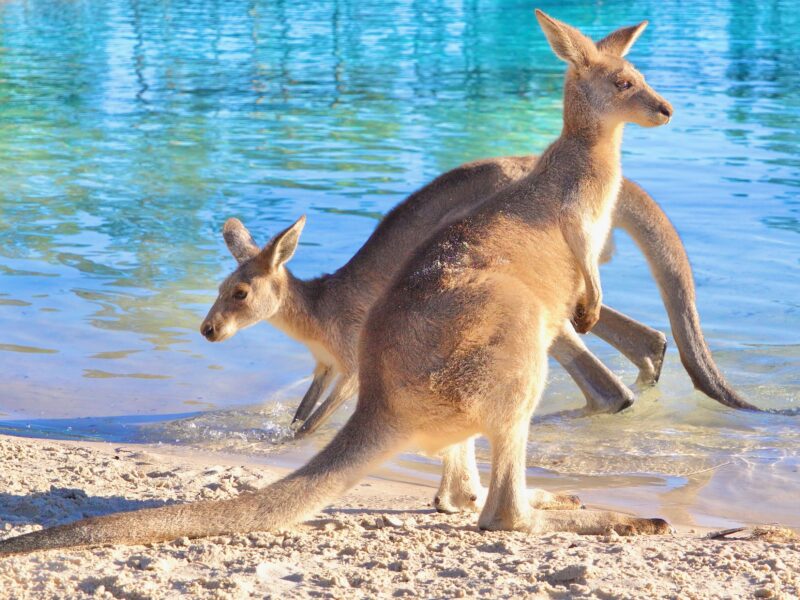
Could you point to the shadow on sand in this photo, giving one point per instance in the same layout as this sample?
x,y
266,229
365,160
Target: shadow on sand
x,y
62,505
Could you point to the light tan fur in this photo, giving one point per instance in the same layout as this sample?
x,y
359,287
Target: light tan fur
x,y
458,344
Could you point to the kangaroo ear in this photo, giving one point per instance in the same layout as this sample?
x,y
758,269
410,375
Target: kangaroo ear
x,y
619,42
568,43
281,248
239,240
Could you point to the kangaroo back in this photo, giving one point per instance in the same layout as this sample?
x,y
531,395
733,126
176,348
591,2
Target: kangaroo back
x,y
446,199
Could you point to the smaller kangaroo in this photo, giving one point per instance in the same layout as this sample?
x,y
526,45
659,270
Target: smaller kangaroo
x,y
457,346
319,312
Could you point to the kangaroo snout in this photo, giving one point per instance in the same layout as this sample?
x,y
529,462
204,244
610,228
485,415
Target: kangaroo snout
x,y
208,330
665,111
654,111
218,327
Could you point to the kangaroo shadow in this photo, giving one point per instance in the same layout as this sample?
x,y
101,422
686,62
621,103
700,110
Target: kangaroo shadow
x,y
62,505
333,510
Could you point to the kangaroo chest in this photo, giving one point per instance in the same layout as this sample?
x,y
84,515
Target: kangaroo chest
x,y
314,342
598,222
321,353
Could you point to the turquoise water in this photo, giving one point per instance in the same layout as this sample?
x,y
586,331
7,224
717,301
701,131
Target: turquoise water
x,y
130,131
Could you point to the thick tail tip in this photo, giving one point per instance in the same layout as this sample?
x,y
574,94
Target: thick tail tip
x,y
728,397
707,379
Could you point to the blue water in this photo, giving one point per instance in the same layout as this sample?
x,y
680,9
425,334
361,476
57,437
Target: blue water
x,y
130,131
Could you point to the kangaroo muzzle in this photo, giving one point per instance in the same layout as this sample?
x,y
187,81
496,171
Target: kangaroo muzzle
x,y
665,110
215,329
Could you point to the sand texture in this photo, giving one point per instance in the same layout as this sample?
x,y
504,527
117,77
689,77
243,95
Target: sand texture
x,y
380,541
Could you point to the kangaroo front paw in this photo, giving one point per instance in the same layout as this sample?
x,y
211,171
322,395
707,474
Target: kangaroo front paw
x,y
652,362
460,500
585,318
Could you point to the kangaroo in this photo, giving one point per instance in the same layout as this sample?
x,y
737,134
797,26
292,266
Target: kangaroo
x,y
311,311
327,313
458,344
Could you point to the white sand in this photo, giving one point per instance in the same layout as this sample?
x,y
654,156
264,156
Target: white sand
x,y
381,540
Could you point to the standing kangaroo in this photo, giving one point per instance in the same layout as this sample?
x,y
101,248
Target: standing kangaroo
x,y
458,345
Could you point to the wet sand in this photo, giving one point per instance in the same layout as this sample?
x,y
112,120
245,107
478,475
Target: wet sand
x,y
380,540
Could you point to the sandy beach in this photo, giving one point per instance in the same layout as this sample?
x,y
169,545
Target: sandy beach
x,y
133,132
381,540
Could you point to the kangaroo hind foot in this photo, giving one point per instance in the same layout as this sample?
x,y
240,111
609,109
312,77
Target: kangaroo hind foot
x,y
460,488
508,507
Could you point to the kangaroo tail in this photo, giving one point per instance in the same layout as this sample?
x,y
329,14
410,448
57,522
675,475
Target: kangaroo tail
x,y
655,235
364,440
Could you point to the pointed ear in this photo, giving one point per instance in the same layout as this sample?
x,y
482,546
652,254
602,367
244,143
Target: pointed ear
x,y
239,240
619,42
568,43
281,248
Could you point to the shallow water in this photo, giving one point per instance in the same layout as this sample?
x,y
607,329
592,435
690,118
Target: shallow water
x,y
131,131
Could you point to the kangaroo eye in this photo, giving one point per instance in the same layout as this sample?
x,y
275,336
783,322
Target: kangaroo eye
x,y
624,85
240,294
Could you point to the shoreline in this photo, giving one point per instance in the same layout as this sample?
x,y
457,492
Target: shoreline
x,y
381,539
636,493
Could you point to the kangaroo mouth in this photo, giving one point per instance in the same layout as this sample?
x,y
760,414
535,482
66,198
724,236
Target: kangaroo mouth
x,y
215,334
663,113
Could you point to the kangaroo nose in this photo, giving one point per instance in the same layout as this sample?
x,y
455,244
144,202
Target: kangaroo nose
x,y
666,110
207,330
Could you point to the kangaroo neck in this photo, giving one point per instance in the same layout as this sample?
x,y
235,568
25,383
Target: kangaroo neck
x,y
600,144
584,164
595,143
297,315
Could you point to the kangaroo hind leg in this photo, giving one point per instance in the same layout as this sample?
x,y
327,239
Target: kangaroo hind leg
x,y
506,421
507,506
642,345
603,390
460,488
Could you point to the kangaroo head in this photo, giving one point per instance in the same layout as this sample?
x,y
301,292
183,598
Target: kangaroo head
x,y
256,289
601,87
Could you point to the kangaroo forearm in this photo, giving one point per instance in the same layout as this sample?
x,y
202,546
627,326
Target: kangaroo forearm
x,y
593,293
322,378
345,388
582,246
603,390
642,345
658,240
